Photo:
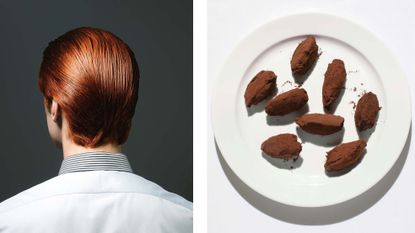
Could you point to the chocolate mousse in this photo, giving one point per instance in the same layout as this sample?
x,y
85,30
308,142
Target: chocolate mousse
x,y
287,102
304,57
283,146
334,80
344,156
366,111
322,124
260,87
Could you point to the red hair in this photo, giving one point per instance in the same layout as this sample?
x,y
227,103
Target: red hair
x,y
93,76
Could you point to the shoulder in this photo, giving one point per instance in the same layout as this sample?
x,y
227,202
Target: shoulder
x,y
34,193
103,194
97,182
151,188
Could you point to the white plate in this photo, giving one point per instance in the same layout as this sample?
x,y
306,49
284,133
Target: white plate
x,y
370,67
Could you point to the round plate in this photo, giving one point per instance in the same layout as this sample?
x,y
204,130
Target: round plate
x,y
239,131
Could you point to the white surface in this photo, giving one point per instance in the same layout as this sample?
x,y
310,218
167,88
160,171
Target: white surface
x,y
239,132
200,116
388,207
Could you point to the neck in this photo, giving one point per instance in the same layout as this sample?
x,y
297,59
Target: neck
x,y
70,148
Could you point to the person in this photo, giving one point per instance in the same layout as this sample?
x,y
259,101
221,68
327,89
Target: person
x,y
89,79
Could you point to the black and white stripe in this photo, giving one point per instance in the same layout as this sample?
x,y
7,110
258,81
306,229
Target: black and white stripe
x,y
95,161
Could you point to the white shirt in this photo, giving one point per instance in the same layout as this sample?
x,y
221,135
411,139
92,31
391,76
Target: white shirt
x,y
96,192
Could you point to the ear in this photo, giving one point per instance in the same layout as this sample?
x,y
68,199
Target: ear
x,y
55,111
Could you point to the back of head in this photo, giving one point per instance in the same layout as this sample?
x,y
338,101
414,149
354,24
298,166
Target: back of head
x,y
93,76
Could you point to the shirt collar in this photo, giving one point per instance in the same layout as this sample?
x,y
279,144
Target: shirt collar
x,y
95,161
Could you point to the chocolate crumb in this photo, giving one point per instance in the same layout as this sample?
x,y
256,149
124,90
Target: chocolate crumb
x,y
362,93
287,82
354,104
354,89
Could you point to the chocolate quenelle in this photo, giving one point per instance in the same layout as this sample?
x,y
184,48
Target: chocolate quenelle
x,y
282,146
334,80
322,124
287,102
344,156
260,87
304,57
366,111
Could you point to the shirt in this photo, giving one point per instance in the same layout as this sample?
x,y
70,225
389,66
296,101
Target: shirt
x,y
96,192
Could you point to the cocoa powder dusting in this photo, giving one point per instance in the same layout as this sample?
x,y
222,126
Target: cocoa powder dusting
x,y
321,124
282,146
366,111
260,87
304,57
334,80
344,155
287,102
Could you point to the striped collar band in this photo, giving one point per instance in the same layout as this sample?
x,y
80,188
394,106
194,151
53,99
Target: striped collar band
x,y
95,161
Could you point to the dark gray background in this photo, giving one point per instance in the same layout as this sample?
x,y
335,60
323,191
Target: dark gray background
x,y
160,34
